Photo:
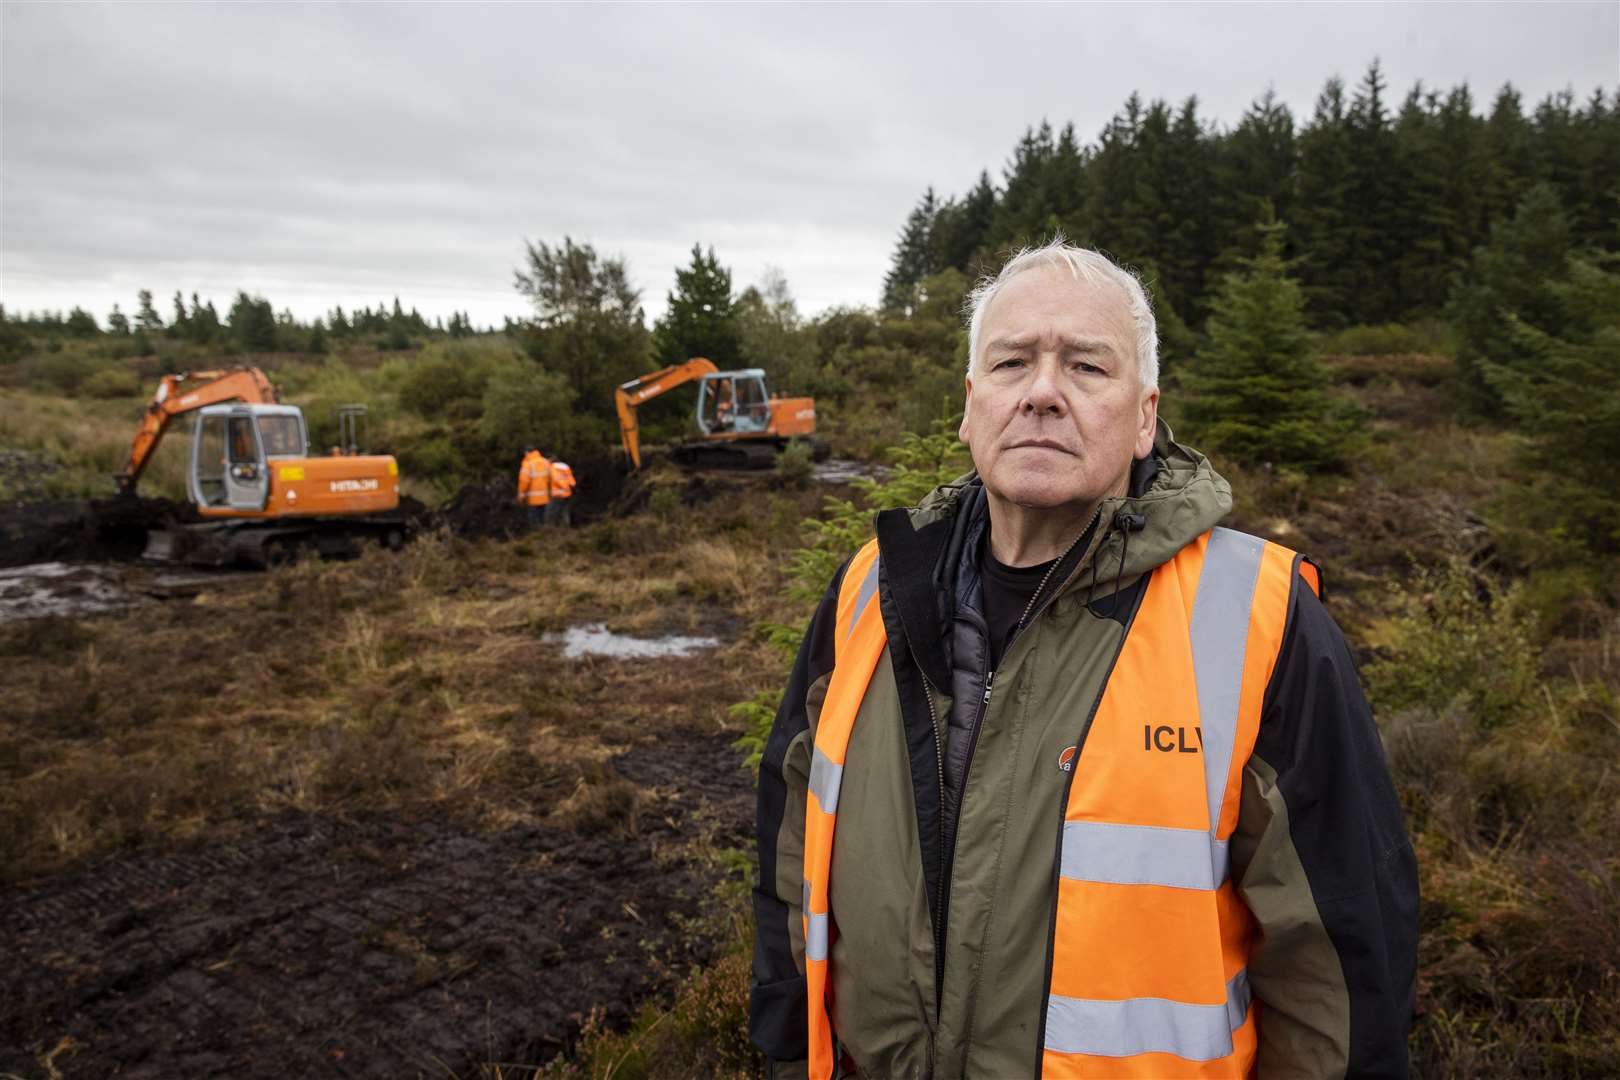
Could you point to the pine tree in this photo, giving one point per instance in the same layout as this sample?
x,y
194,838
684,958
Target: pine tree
x,y
1256,168
146,316
1325,224
180,325
1184,214
1373,294
253,323
962,228
913,257
1510,157
1065,188
117,321
1023,215
1510,280
1119,212
1597,201
701,319
1423,223
80,323
1255,391
204,322
1563,393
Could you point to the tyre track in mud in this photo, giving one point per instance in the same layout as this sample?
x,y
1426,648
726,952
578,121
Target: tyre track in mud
x,y
376,947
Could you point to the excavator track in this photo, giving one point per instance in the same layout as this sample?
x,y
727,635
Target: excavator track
x,y
740,455
256,546
735,455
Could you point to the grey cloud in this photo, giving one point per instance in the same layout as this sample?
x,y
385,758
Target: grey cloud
x,y
337,154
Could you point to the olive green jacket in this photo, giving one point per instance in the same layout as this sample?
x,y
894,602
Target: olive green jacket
x,y
939,963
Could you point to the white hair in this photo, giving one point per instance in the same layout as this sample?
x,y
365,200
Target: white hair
x,y
1086,265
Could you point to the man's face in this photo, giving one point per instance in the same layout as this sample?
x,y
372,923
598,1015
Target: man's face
x,y
1055,409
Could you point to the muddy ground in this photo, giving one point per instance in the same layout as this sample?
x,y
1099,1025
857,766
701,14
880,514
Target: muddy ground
x,y
372,947
395,820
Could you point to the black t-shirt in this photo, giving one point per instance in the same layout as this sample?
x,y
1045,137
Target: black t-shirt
x,y
1006,593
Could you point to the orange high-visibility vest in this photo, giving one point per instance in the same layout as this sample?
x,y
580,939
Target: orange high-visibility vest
x,y
533,485
1151,940
562,480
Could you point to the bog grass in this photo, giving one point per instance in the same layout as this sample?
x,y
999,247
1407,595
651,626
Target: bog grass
x,y
400,682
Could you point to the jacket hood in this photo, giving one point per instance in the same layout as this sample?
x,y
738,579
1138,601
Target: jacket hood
x,y
1173,501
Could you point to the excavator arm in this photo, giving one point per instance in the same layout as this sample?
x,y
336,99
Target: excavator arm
x,y
173,398
647,387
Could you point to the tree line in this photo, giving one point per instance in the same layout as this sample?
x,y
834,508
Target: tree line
x,y
1384,200
251,324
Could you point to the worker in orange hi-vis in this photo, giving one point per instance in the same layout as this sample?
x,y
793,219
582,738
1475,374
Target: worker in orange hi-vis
x,y
534,488
558,510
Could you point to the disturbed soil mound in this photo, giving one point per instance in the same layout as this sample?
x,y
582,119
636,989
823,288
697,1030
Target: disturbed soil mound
x,y
370,948
485,510
73,531
601,478
694,489
416,512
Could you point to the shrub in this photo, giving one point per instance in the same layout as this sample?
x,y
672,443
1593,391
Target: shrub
x,y
795,464
664,501
436,385
523,404
448,379
112,383
1389,339
433,459
65,372
757,714
1458,639
14,341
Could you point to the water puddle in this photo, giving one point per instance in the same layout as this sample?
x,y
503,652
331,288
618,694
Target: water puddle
x,y
595,639
42,590
842,471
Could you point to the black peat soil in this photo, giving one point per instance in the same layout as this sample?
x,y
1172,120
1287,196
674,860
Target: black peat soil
x,y
374,947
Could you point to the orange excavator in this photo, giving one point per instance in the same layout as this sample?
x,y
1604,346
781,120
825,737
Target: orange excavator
x,y
742,426
253,481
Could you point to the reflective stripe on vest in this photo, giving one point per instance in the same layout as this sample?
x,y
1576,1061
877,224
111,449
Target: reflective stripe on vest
x,y
858,646
1151,939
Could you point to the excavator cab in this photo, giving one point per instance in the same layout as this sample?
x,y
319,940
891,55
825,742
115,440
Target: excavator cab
x,y
232,447
733,402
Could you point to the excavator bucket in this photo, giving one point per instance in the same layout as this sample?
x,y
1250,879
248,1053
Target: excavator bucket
x,y
160,546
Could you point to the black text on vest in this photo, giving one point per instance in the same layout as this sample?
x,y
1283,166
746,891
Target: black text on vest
x,y
1171,740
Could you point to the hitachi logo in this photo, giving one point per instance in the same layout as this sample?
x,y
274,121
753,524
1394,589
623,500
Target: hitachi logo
x,y
354,485
1167,740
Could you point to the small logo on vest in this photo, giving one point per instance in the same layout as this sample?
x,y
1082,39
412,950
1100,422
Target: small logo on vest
x,y
1066,759
1171,740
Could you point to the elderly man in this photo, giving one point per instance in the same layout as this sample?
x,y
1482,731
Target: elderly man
x,y
1067,780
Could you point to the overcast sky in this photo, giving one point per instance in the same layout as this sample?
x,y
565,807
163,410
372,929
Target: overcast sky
x,y
323,154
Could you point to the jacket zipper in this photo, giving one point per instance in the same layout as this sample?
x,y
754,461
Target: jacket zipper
x,y
948,858
939,905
